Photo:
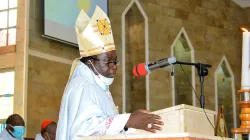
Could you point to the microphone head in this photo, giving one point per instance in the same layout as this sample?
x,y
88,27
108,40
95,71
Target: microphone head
x,y
171,60
140,70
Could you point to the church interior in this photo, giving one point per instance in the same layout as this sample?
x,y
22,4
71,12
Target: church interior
x,y
35,65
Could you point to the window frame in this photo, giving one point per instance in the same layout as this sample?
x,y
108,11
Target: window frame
x,y
8,48
9,95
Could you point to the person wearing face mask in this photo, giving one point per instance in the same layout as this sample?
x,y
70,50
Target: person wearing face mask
x,y
48,130
15,128
87,107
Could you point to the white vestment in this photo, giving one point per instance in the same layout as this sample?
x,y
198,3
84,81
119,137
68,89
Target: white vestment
x,y
39,137
87,108
6,136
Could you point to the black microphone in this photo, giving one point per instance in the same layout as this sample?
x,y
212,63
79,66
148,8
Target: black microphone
x,y
143,69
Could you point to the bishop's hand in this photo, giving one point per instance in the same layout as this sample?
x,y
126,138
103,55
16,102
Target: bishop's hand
x,y
143,119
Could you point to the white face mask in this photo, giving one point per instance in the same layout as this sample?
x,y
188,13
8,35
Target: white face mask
x,y
107,81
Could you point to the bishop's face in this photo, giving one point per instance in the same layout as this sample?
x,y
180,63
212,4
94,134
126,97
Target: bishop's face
x,y
106,64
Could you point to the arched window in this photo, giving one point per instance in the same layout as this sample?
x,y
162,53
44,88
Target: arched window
x,y
134,42
225,93
182,92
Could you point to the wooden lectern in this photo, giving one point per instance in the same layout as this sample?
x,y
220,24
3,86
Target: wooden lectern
x,y
182,122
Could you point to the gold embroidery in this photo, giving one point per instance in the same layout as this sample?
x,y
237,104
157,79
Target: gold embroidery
x,y
103,27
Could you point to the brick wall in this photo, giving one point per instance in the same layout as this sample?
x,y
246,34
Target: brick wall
x,y
46,78
212,26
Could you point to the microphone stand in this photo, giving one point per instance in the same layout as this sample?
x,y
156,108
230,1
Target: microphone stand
x,y
202,72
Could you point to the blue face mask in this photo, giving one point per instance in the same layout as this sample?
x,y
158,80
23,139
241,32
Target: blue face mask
x,y
18,131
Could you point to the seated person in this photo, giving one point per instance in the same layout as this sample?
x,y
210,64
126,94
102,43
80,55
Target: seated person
x,y
48,131
15,128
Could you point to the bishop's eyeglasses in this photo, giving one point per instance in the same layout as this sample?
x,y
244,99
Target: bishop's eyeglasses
x,y
109,63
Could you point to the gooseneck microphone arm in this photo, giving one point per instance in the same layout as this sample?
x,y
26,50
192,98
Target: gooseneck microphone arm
x,y
202,72
161,63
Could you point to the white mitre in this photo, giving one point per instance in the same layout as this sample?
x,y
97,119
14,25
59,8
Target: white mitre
x,y
94,35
